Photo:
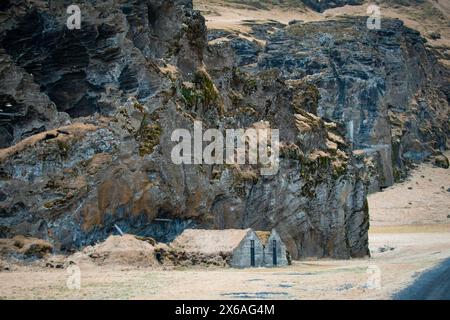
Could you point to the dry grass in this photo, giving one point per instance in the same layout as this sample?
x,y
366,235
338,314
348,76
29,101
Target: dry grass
x,y
62,134
26,246
427,16
422,200
428,228
235,17
124,250
210,242
263,236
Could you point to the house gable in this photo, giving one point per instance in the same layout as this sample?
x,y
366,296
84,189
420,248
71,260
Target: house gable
x,y
275,251
243,248
242,255
263,236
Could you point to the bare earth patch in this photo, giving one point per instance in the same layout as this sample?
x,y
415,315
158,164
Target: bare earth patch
x,y
422,200
221,16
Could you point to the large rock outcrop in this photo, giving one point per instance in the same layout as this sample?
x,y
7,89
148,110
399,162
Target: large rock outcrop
x,y
92,145
384,86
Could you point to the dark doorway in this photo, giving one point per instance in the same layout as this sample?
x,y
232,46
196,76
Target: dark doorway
x,y
274,248
252,253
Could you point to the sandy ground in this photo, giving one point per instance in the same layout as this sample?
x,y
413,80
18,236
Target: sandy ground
x,y
219,16
405,240
422,200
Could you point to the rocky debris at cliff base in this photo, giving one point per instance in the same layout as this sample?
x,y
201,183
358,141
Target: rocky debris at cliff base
x,y
385,248
24,248
180,258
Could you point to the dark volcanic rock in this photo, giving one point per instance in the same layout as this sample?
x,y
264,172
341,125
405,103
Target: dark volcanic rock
x,y
384,86
24,110
246,51
84,71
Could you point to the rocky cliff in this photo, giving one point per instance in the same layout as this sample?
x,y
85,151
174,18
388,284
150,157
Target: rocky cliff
x,y
384,86
87,117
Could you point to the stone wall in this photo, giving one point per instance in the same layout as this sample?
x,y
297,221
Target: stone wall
x,y
280,251
241,256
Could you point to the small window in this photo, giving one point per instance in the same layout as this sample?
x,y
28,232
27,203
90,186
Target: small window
x,y
252,244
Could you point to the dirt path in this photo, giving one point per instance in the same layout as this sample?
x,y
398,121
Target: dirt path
x,y
432,285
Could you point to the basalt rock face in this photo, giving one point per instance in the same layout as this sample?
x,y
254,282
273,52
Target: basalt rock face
x,y
108,98
88,70
385,86
24,109
123,49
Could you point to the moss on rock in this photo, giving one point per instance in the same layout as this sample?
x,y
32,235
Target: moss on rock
x,y
149,138
202,91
